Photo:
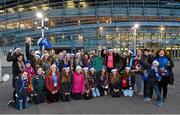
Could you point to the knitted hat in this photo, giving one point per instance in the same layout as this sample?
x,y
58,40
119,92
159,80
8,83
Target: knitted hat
x,y
85,68
65,66
128,68
16,48
155,62
53,65
27,62
113,70
92,69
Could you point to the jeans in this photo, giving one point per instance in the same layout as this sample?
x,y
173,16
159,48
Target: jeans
x,y
153,85
139,83
20,103
95,92
128,92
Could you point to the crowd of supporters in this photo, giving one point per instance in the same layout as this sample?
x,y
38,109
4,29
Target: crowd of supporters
x,y
52,77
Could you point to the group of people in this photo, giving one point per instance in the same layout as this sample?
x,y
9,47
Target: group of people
x,y
51,77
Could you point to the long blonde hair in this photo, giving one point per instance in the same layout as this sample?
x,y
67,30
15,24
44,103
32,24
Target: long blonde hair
x,y
65,77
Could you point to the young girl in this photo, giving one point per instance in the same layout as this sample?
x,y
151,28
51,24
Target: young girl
x,y
38,87
31,73
128,81
102,81
93,79
78,83
66,83
88,84
53,84
20,92
115,83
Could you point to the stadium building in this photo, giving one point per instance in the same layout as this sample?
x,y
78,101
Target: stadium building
x,y
92,24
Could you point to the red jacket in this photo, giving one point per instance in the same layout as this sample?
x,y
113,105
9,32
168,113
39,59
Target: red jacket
x,y
50,83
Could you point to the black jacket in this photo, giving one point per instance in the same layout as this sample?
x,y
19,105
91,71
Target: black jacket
x,y
29,56
20,90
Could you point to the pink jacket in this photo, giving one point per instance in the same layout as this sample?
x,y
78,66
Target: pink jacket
x,y
78,83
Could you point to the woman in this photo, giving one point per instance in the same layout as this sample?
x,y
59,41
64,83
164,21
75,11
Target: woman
x,y
38,87
110,60
166,64
115,83
93,79
102,81
88,84
53,84
45,63
78,83
128,81
66,84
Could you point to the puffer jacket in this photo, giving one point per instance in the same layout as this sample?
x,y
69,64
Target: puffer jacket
x,y
78,83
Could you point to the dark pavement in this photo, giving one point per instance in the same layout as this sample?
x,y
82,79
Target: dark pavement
x,y
100,105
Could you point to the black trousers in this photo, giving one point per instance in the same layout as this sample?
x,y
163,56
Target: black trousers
x,y
147,90
88,95
77,96
65,98
102,90
39,97
52,97
163,85
116,94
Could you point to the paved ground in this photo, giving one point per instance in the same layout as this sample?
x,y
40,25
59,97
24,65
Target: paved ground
x,y
98,105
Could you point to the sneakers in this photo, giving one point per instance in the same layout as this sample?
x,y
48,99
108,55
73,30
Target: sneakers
x,y
159,103
146,99
9,103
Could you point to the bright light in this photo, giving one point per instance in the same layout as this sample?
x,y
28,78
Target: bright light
x,y
39,15
46,19
80,37
101,28
162,28
136,25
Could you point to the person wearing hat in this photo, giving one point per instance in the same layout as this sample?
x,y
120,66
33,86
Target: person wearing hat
x,y
37,61
128,82
52,81
78,60
60,61
46,63
111,61
115,83
88,84
38,87
153,78
66,83
14,57
93,79
130,59
102,81
30,53
31,73
20,93
78,86
166,65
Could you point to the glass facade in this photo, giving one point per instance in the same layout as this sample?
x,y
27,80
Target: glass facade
x,y
93,23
